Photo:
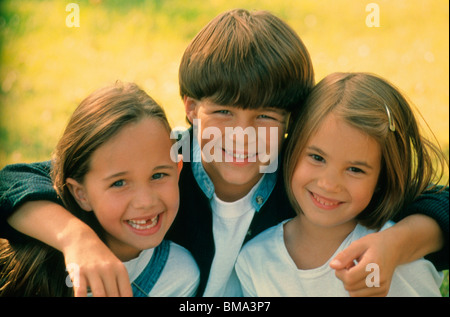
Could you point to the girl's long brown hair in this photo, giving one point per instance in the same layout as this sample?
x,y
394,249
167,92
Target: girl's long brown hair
x,y
33,268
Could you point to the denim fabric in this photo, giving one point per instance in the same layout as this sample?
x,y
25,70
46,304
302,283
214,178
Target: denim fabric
x,y
144,283
259,197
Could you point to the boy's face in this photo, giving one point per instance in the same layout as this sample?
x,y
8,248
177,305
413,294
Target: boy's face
x,y
237,144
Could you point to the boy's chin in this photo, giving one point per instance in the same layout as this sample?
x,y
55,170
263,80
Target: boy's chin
x,y
241,176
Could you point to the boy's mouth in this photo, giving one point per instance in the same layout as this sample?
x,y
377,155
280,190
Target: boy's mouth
x,y
241,156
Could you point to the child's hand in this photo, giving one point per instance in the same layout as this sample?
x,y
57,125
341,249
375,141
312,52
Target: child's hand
x,y
372,248
96,268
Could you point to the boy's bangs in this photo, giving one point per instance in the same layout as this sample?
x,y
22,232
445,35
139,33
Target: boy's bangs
x,y
242,87
247,60
248,83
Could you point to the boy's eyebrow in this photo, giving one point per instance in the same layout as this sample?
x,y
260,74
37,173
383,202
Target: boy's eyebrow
x,y
164,167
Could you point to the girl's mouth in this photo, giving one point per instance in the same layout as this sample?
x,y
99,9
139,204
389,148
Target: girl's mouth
x,y
143,224
323,202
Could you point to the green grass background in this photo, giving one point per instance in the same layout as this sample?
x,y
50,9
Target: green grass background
x,y
47,68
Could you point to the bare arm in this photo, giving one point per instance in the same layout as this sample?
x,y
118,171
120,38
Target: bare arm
x,y
99,268
410,239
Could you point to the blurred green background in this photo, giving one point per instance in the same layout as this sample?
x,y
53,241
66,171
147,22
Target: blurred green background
x,y
47,68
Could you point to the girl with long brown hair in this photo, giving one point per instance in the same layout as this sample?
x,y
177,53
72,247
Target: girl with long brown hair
x,y
113,169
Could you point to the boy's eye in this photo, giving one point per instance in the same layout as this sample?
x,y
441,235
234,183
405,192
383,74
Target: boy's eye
x,y
118,183
222,112
158,175
264,116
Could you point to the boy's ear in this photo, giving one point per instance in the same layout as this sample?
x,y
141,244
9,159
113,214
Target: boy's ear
x,y
79,193
190,106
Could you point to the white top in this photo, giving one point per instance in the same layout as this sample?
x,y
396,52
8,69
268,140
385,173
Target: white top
x,y
180,276
265,268
231,221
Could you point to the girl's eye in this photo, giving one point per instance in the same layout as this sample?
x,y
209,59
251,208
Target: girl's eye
x,y
118,183
317,158
356,170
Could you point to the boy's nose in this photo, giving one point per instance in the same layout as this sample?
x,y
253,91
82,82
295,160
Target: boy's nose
x,y
241,136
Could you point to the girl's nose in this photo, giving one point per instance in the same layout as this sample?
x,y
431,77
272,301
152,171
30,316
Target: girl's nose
x,y
145,198
329,181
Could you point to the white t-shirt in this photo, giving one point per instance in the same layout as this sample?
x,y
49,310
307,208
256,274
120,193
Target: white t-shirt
x,y
231,221
180,276
265,268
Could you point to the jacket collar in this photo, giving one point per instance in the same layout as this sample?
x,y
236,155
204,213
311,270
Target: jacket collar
x,y
204,181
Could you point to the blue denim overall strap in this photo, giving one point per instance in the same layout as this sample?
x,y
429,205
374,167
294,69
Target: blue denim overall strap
x,y
144,283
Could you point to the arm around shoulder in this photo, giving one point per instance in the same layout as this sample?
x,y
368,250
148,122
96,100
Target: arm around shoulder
x,y
21,183
434,228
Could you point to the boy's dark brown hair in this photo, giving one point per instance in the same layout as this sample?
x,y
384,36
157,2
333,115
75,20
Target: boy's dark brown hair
x,y
248,60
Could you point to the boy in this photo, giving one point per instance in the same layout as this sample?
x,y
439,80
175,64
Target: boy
x,y
243,70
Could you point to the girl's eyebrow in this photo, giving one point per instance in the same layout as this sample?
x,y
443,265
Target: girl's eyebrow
x,y
357,163
315,148
360,163
125,172
115,175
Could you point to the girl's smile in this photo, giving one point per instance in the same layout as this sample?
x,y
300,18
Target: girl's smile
x,y
132,187
336,174
324,203
146,225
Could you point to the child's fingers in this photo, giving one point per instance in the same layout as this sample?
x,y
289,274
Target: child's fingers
x,y
110,285
359,281
81,289
353,278
123,282
96,286
116,282
345,258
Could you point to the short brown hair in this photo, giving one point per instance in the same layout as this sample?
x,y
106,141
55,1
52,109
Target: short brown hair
x,y
249,60
363,101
